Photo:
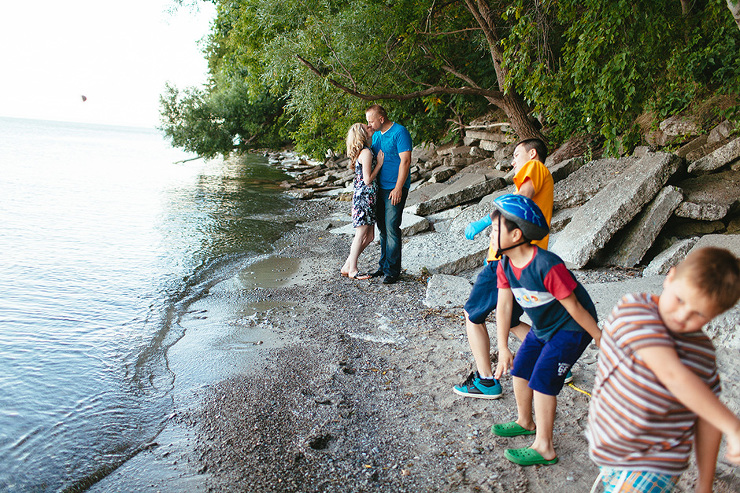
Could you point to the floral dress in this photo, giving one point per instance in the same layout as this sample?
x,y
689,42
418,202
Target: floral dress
x,y
364,198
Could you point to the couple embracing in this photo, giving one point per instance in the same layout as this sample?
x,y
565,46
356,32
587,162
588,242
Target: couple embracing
x,y
381,155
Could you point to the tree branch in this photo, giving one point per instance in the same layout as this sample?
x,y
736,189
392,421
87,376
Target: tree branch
x,y
471,91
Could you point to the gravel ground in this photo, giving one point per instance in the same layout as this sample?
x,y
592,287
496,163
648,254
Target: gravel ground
x,y
359,395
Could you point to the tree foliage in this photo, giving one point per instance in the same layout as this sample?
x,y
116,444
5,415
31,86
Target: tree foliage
x,y
311,67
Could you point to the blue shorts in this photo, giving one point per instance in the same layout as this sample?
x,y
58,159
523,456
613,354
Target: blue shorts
x,y
545,363
484,296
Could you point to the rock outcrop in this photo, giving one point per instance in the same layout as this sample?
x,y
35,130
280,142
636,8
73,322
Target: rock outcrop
x,y
648,208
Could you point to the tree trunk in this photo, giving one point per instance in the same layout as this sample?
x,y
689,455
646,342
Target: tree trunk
x,y
512,103
516,110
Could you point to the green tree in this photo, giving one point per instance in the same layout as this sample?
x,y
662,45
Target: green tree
x,y
580,66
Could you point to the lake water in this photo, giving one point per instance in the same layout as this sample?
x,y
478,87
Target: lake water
x,y
104,241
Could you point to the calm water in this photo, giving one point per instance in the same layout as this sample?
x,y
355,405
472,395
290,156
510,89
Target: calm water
x,y
104,240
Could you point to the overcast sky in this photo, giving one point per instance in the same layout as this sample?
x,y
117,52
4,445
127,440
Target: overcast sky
x,y
118,54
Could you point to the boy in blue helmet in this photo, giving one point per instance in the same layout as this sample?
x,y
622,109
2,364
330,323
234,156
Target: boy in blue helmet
x,y
563,324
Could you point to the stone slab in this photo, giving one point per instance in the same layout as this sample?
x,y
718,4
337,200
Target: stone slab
x,y
710,197
637,238
469,187
730,242
446,291
717,159
595,222
606,295
670,257
443,253
423,193
563,169
585,182
448,252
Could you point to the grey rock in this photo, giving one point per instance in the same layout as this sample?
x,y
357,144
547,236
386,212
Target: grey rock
x,y
593,225
423,193
442,174
489,136
491,146
710,197
565,168
561,218
448,252
720,132
669,257
446,291
606,295
443,253
719,158
469,187
454,151
730,242
693,146
676,128
580,186
637,238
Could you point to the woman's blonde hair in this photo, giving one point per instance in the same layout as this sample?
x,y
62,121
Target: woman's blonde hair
x,y
356,141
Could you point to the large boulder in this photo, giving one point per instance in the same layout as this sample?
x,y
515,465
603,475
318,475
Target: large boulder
x,y
448,252
710,197
670,257
730,242
635,240
468,187
717,159
594,223
588,180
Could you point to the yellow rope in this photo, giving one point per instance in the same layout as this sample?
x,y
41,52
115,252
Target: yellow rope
x,y
579,390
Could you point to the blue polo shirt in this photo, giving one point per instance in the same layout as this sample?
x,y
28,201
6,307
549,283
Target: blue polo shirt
x,y
393,142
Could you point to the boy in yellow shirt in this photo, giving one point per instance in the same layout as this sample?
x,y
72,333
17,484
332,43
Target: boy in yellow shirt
x,y
533,180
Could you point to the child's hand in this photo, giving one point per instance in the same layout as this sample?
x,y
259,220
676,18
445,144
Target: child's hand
x,y
505,362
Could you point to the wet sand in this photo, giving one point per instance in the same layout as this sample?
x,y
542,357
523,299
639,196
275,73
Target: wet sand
x,y
293,378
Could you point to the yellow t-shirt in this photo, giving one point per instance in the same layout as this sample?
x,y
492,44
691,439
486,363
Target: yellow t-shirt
x,y
543,194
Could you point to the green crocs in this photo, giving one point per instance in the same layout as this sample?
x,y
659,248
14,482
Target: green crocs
x,y
510,429
527,457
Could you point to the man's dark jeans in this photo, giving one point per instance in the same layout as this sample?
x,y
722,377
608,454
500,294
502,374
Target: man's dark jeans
x,y
389,223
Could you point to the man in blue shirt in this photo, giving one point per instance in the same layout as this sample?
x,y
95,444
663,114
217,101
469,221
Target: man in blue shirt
x,y
393,188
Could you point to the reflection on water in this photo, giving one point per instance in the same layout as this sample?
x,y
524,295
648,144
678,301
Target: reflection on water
x,y
104,242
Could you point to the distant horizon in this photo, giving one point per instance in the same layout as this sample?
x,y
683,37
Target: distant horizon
x,y
119,56
51,120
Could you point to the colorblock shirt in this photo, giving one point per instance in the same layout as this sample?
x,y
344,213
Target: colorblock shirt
x,y
392,142
634,422
539,286
543,184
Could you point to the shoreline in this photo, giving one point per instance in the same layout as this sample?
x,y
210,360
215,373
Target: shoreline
x,y
352,392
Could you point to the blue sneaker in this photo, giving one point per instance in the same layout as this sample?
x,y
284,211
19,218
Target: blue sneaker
x,y
476,387
568,377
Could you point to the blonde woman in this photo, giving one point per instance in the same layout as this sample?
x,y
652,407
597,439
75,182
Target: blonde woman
x,y
365,194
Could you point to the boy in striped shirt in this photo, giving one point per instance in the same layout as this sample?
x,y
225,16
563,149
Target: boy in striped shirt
x,y
656,390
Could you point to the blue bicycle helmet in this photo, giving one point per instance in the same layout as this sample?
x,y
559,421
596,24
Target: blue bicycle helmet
x,y
525,213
